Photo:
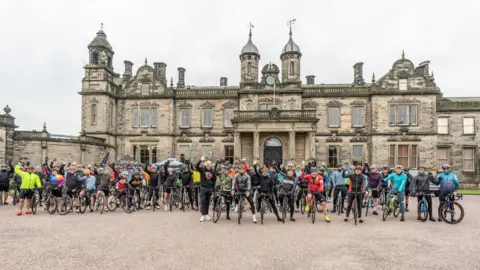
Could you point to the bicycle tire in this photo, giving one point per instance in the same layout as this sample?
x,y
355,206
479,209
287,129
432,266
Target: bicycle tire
x,y
339,203
312,212
172,200
354,210
34,204
369,201
396,211
303,204
444,212
262,211
423,215
51,205
63,206
217,210
385,213
240,210
112,202
284,209
126,204
83,203
101,203
15,197
44,195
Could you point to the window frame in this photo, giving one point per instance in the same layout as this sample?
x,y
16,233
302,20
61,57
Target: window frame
x,y
441,161
472,126
362,116
472,160
147,119
330,125
135,117
338,157
188,154
413,159
411,117
403,82
210,151
153,117
204,110
226,148
187,119
447,125
362,159
112,115
292,68
143,89
93,114
229,109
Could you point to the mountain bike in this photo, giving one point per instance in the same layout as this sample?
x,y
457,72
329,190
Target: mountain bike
x,y
241,204
112,201
15,196
393,206
284,207
174,197
264,205
382,197
312,204
83,200
449,208
422,207
35,200
101,201
303,200
338,203
65,203
220,205
355,208
369,201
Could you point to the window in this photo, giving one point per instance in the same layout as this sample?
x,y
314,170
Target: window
x,y
266,106
292,68
468,159
358,116
135,152
145,89
207,117
468,125
95,58
333,156
442,157
249,69
229,153
402,115
405,155
403,84
207,151
111,115
153,113
135,117
184,152
185,118
145,117
144,155
227,117
442,125
94,114
154,154
357,155
334,116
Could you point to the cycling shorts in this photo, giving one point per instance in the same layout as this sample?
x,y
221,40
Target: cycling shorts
x,y
26,193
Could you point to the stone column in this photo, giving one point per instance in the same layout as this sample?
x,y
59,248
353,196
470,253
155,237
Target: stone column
x,y
307,147
137,154
256,145
149,154
83,148
312,148
291,145
237,145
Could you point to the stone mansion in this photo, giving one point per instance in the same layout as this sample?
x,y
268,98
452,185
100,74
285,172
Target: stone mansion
x,y
401,117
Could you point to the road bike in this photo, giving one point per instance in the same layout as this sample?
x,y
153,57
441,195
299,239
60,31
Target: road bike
x,y
422,207
355,207
450,207
369,201
264,205
241,204
312,204
393,206
35,200
220,205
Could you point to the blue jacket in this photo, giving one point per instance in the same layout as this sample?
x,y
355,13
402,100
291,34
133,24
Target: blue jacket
x,y
337,179
448,182
399,181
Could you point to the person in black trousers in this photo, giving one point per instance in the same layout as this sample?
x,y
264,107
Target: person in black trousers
x,y
207,185
421,183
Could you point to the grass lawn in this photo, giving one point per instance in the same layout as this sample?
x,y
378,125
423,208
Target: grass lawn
x,y
469,191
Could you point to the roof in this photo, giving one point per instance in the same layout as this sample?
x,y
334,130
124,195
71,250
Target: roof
x,y
101,41
463,98
291,46
250,47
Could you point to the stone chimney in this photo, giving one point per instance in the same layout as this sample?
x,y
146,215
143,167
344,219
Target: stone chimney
x,y
160,72
127,75
223,81
358,74
423,68
310,79
181,78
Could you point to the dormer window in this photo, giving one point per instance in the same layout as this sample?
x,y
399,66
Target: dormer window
x,y
403,84
145,89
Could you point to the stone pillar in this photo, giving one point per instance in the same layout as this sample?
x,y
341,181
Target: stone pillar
x,y
256,145
149,154
307,147
311,149
83,148
137,154
291,145
237,145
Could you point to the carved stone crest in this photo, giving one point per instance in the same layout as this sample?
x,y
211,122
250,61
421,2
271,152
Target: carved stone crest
x,y
359,138
184,103
184,139
207,104
206,138
229,138
334,138
357,102
334,103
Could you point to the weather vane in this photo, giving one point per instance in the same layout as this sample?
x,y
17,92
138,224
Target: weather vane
x,y
101,26
290,23
250,25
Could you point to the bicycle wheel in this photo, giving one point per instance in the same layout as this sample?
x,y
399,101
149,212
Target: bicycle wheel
x,y
303,204
217,210
101,202
240,210
44,195
284,209
422,210
396,211
385,213
83,203
454,208
354,210
64,205
339,203
172,200
127,203
112,202
154,201
15,197
369,203
34,203
51,205
312,212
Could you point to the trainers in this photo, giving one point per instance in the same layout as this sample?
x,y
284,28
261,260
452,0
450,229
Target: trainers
x,y
296,210
439,219
402,219
292,219
345,219
19,213
207,218
236,208
432,219
202,219
166,207
327,219
254,219
360,220
375,213
279,219
148,207
28,212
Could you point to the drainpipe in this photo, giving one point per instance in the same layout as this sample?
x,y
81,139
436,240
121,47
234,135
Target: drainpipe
x,y
370,138
174,113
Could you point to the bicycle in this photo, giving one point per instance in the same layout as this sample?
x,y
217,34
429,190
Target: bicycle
x,y
35,200
319,204
264,204
382,197
422,207
393,206
369,201
185,199
449,207
303,200
241,205
112,201
83,200
15,196
127,200
355,208
65,203
286,195
101,201
174,197
220,205
51,202
311,211
338,203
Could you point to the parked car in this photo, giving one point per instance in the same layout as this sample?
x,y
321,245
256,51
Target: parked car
x,y
435,189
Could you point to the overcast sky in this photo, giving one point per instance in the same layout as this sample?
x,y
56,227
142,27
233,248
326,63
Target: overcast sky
x,y
44,44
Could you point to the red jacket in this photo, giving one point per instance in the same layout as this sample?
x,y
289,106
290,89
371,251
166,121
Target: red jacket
x,y
313,185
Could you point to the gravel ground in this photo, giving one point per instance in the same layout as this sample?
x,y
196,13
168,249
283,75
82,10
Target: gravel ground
x,y
177,240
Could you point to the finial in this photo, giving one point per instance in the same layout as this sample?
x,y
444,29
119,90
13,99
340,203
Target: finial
x,y
7,110
171,82
433,77
403,54
44,127
373,77
290,25
250,25
145,61
101,26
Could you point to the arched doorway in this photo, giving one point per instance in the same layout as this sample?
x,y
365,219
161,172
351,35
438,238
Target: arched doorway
x,y
272,151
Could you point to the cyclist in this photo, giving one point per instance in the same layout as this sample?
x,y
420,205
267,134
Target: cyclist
x,y
375,180
71,182
105,177
315,188
288,185
302,185
355,187
338,182
267,186
4,184
448,185
242,183
224,186
207,185
90,181
187,180
154,185
385,173
29,181
170,181
399,183
407,187
421,183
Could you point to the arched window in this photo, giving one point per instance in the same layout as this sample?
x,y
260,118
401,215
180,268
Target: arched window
x,y
110,62
292,68
144,155
249,69
94,59
273,142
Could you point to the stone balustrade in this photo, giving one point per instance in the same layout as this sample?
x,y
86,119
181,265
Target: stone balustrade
x,y
45,136
274,115
448,105
336,91
203,93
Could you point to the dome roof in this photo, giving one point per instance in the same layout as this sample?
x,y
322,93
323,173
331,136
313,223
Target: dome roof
x,y
291,46
250,47
100,40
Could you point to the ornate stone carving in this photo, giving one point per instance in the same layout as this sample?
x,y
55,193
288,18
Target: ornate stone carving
x,y
207,104
334,138
206,138
7,110
229,138
93,100
404,138
310,104
184,139
404,100
357,102
269,99
102,58
145,103
334,103
184,103
230,104
359,138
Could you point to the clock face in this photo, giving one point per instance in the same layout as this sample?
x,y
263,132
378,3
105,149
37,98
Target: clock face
x,y
270,80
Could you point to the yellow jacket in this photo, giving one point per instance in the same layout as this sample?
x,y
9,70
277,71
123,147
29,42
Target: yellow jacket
x,y
196,176
29,180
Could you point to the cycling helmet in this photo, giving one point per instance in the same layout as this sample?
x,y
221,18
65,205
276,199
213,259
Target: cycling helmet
x,y
446,166
136,174
373,166
153,166
358,168
399,167
385,167
124,174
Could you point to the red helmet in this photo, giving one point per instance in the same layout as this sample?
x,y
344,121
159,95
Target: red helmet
x,y
358,168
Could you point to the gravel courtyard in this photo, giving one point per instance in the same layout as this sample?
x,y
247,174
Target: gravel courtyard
x,y
177,240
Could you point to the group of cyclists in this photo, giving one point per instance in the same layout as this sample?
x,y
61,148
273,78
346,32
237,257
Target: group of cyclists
x,y
200,185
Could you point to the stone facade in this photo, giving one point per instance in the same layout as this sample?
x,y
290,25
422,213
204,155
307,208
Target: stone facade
x,y
392,120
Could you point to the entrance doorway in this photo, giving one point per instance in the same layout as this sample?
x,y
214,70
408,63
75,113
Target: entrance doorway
x,y
272,152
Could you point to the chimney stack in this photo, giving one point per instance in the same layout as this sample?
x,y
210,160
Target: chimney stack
x,y
160,72
181,78
310,79
423,68
358,74
223,81
127,75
